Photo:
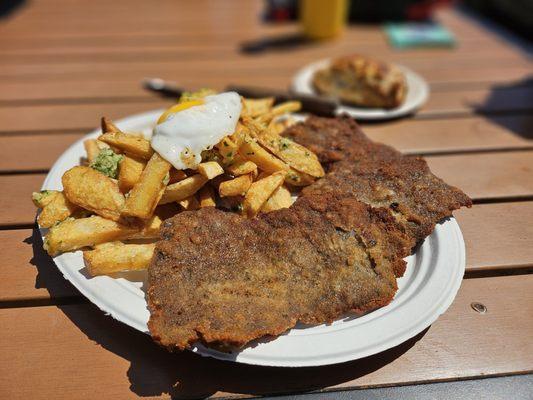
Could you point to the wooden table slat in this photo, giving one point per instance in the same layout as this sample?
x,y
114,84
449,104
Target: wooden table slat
x,y
76,351
481,176
496,235
38,151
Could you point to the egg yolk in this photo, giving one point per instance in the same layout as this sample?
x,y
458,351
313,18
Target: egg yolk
x,y
177,108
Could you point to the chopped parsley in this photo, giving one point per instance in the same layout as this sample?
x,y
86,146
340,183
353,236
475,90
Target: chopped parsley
x,y
284,144
107,163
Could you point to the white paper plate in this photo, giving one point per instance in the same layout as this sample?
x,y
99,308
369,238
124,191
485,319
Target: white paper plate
x,y
417,93
428,288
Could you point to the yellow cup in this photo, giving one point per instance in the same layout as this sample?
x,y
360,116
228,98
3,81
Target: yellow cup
x,y
323,19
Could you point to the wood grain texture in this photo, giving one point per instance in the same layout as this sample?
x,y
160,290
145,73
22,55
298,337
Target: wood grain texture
x,y
487,176
77,352
496,236
38,151
481,176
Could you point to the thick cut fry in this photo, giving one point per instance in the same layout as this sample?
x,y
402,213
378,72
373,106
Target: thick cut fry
x,y
278,125
242,167
260,191
228,150
256,107
134,146
108,258
297,156
235,187
206,197
93,191
190,203
44,197
91,148
147,192
262,158
73,234
150,230
210,169
57,210
283,108
297,178
129,173
176,175
185,188
281,198
108,126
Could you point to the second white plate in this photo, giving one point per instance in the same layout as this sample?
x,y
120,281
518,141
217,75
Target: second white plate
x,y
417,93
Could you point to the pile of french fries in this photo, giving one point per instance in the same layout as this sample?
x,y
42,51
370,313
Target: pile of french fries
x,y
112,207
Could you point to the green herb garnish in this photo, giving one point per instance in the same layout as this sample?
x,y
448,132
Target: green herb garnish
x,y
107,163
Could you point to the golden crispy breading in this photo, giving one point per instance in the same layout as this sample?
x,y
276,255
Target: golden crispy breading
x,y
93,191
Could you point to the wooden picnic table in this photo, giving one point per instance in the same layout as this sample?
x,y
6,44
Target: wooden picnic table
x,y
65,63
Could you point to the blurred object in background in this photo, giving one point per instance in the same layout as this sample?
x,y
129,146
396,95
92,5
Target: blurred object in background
x,y
405,35
323,19
516,15
393,10
281,10
359,10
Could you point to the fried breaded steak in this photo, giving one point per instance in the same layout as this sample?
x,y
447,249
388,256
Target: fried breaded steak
x,y
224,280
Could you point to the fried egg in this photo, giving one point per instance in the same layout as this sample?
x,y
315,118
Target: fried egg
x,y
186,129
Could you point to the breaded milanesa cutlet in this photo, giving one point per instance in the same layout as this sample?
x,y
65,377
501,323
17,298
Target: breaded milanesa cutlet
x,y
224,280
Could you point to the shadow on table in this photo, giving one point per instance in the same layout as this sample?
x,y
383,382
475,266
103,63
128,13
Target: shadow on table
x,y
154,371
8,7
505,102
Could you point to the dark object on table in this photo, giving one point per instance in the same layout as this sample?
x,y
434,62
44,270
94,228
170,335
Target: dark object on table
x,y
362,10
516,15
225,280
311,104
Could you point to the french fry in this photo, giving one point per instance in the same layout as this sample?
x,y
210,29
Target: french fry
x,y
57,210
132,145
108,258
44,197
73,234
297,178
176,175
294,154
129,172
242,167
185,188
278,125
108,126
206,197
150,229
190,203
260,191
93,191
147,192
91,148
210,169
228,149
281,198
256,107
252,151
283,108
235,187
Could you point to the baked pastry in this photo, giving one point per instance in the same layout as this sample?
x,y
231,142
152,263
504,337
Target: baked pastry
x,y
362,81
